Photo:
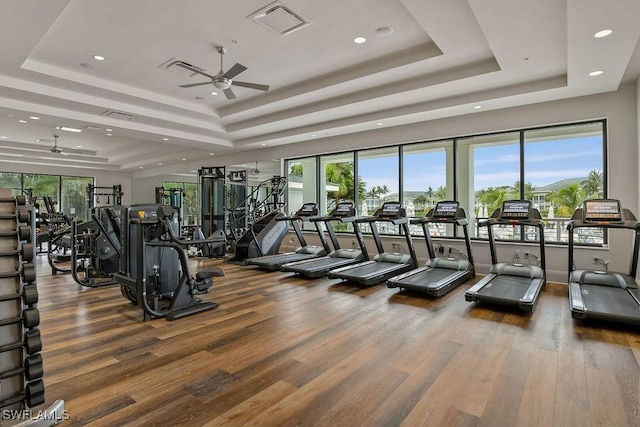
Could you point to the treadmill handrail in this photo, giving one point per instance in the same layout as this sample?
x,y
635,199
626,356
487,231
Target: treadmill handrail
x,y
395,221
498,221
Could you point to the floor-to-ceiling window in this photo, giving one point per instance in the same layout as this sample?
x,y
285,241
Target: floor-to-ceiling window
x,y
379,180
73,193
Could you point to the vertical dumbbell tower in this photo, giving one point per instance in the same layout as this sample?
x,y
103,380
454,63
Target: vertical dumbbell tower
x,y
21,371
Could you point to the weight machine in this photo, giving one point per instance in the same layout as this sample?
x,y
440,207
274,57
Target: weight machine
x,y
94,193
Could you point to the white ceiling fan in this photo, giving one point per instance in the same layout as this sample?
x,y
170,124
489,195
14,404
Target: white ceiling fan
x,y
223,80
65,151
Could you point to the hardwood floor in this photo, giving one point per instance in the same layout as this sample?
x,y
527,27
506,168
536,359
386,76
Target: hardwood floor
x,y
282,350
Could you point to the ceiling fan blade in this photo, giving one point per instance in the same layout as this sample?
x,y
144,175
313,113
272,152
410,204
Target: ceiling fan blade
x,y
196,84
251,85
229,94
194,70
234,71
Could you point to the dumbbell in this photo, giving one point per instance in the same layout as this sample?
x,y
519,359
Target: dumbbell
x,y
28,272
31,341
24,233
32,369
30,318
33,395
24,216
29,295
27,251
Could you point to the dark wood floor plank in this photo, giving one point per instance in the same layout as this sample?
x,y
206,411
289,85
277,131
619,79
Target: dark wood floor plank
x,y
283,350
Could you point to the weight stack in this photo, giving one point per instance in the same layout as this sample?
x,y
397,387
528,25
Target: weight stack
x,y
21,368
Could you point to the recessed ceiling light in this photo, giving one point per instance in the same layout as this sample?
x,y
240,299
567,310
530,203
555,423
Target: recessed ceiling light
x,y
109,130
184,159
359,40
477,107
596,73
109,134
68,129
34,118
214,93
98,57
313,135
140,167
384,31
78,146
160,163
3,137
22,121
602,33
263,144
165,139
211,154
379,123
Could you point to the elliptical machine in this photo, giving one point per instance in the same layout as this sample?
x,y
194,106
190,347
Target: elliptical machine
x,y
154,270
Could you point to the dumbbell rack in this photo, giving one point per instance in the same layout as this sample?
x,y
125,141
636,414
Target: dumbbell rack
x,y
21,370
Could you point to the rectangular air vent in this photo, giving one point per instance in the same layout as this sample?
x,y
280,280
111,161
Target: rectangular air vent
x,y
180,68
279,18
113,114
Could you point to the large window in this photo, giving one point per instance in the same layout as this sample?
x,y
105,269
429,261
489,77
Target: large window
x,y
488,174
187,199
562,168
555,167
68,193
427,177
301,182
74,196
379,174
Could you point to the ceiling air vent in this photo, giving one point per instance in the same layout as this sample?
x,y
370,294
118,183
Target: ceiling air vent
x,y
279,18
180,68
113,114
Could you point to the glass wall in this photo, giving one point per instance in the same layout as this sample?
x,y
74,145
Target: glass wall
x,y
12,181
301,183
189,208
555,167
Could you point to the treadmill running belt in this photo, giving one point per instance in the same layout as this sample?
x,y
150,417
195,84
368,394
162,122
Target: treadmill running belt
x,y
321,264
506,288
612,302
426,277
277,260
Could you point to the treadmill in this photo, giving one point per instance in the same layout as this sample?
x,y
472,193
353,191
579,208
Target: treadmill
x,y
274,262
605,295
512,284
440,274
345,212
385,264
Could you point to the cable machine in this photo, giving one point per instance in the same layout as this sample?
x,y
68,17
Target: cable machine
x,y
111,193
171,197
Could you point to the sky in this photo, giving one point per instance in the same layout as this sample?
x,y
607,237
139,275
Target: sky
x,y
545,163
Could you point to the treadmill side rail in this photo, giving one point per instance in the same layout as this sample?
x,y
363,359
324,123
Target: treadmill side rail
x,y
530,297
576,303
472,292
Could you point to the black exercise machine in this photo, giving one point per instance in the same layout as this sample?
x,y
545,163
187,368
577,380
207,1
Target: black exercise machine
x,y
385,264
442,272
154,272
512,284
345,213
598,294
96,248
274,262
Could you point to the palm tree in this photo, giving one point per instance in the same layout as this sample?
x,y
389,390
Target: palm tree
x,y
420,201
566,200
441,193
493,197
514,191
593,184
341,174
430,193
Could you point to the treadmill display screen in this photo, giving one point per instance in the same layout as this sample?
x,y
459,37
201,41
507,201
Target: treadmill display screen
x,y
308,209
602,210
446,210
390,209
515,209
343,209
